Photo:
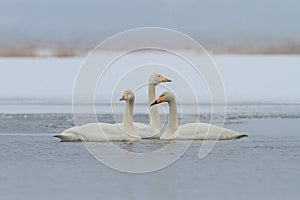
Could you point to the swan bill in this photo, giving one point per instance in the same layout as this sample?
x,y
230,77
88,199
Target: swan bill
x,y
164,79
157,101
124,97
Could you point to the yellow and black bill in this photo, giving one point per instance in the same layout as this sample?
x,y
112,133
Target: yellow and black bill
x,y
157,101
164,79
124,97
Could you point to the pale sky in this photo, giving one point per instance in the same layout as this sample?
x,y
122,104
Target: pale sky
x,y
94,20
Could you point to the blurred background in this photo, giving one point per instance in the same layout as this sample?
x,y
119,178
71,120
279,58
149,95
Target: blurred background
x,y
70,28
255,44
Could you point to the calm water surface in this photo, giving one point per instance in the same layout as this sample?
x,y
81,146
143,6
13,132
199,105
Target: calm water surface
x,y
34,165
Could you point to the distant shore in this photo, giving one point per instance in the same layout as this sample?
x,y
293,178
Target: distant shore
x,y
71,50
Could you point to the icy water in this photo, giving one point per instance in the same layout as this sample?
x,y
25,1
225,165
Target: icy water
x,y
34,165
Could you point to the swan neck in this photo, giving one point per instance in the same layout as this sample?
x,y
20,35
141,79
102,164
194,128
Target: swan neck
x,y
128,115
151,93
173,117
155,123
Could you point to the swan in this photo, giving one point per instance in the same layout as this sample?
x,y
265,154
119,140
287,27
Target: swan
x,y
90,132
154,117
103,132
191,131
135,128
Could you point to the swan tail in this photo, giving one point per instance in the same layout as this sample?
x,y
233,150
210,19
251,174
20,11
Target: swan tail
x,y
240,136
60,136
66,138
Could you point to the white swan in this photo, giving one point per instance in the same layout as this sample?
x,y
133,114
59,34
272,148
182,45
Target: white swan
x,y
197,131
103,132
154,117
115,132
135,128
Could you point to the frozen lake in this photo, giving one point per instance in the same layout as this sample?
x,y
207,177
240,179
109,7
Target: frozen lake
x,y
253,78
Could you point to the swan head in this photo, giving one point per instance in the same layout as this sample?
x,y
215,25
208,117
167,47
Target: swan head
x,y
157,79
128,95
164,97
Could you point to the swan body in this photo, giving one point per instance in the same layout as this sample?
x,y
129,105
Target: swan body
x,y
191,131
201,131
104,132
143,131
97,132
